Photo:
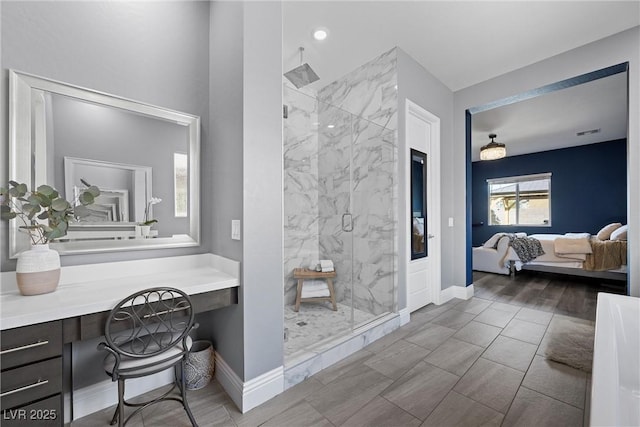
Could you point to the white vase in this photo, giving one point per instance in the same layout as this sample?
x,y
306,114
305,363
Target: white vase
x,y
145,230
38,270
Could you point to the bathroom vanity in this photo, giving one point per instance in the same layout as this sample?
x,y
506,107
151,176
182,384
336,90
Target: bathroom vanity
x,y
36,329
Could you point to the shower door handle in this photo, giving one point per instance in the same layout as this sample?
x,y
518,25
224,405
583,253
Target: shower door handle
x,y
347,222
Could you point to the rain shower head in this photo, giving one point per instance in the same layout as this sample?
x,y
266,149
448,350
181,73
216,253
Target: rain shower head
x,y
302,75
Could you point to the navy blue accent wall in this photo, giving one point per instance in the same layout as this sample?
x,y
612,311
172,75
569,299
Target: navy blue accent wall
x,y
588,188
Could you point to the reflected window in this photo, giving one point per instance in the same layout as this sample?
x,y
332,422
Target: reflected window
x,y
520,200
180,184
418,204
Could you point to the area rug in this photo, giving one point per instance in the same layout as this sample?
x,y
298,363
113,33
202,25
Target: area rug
x,y
570,342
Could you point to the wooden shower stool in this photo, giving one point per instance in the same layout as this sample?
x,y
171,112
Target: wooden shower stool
x,y
306,274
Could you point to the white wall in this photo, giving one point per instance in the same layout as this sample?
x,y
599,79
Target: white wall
x,y
619,48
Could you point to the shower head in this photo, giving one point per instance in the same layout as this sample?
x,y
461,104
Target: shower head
x,y
302,75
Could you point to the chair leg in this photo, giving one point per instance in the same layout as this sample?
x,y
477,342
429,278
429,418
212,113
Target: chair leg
x,y
183,392
119,412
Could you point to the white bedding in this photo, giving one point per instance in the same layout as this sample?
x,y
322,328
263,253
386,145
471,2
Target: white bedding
x,y
550,257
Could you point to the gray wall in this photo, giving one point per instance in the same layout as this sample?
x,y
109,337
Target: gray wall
x,y
154,52
418,85
262,194
612,50
180,56
224,172
246,106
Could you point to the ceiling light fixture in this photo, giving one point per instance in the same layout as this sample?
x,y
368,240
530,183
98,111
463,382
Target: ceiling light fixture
x,y
588,132
493,150
320,33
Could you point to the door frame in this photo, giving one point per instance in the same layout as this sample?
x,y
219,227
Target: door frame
x,y
434,226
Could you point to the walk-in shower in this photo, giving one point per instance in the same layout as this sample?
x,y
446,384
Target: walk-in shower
x,y
339,173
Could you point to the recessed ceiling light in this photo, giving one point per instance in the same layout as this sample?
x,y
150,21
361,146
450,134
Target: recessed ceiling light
x,y
320,33
331,126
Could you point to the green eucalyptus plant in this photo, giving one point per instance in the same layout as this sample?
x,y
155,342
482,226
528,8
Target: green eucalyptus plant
x,y
45,203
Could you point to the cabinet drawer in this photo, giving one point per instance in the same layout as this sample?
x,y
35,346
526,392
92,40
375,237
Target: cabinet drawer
x,y
47,412
26,384
30,343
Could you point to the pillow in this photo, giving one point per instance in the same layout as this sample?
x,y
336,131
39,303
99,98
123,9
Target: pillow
x,y
493,241
606,231
619,233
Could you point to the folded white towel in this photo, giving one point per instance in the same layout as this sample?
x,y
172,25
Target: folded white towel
x,y
314,289
314,294
326,263
327,270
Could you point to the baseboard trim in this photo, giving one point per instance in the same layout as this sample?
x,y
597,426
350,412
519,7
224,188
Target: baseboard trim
x,y
248,395
462,292
404,316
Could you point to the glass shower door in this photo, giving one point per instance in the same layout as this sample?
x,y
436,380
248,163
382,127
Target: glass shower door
x,y
373,206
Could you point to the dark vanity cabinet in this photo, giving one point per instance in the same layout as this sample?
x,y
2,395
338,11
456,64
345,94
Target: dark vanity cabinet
x,y
31,386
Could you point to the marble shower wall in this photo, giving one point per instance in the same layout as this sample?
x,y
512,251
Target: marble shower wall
x,y
357,173
340,156
300,150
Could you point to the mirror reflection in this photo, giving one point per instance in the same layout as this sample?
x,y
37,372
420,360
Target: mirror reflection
x,y
143,158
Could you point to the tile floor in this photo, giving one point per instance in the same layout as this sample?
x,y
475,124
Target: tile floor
x,y
464,363
314,323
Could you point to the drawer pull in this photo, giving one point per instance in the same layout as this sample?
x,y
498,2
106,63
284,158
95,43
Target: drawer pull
x,y
24,347
26,387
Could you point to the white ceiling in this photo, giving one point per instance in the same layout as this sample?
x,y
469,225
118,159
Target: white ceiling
x,y
460,42
463,43
551,121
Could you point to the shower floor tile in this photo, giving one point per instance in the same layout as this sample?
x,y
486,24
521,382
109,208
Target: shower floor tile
x,y
316,322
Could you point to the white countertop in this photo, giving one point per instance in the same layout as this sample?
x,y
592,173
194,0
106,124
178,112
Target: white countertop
x,y
94,288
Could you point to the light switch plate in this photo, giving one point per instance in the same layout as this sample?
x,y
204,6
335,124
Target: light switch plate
x,y
450,221
235,229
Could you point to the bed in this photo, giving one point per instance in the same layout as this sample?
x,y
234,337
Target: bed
x,y
579,254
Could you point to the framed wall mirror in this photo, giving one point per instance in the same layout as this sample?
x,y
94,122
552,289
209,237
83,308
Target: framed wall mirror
x,y
61,134
418,204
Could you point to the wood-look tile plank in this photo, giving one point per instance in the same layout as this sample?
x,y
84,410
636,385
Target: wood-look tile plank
x,y
421,389
301,414
430,336
493,317
491,384
535,316
381,412
531,408
275,406
524,331
395,360
478,333
558,381
510,352
345,365
453,319
343,397
455,356
458,410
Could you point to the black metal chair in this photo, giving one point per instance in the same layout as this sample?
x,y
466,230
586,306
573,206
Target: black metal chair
x,y
146,333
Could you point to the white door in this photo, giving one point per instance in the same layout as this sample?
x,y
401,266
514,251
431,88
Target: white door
x,y
423,273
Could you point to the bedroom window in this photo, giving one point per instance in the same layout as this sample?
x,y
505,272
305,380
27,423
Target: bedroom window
x,y
520,200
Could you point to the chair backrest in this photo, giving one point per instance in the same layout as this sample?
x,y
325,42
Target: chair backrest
x,y
149,322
